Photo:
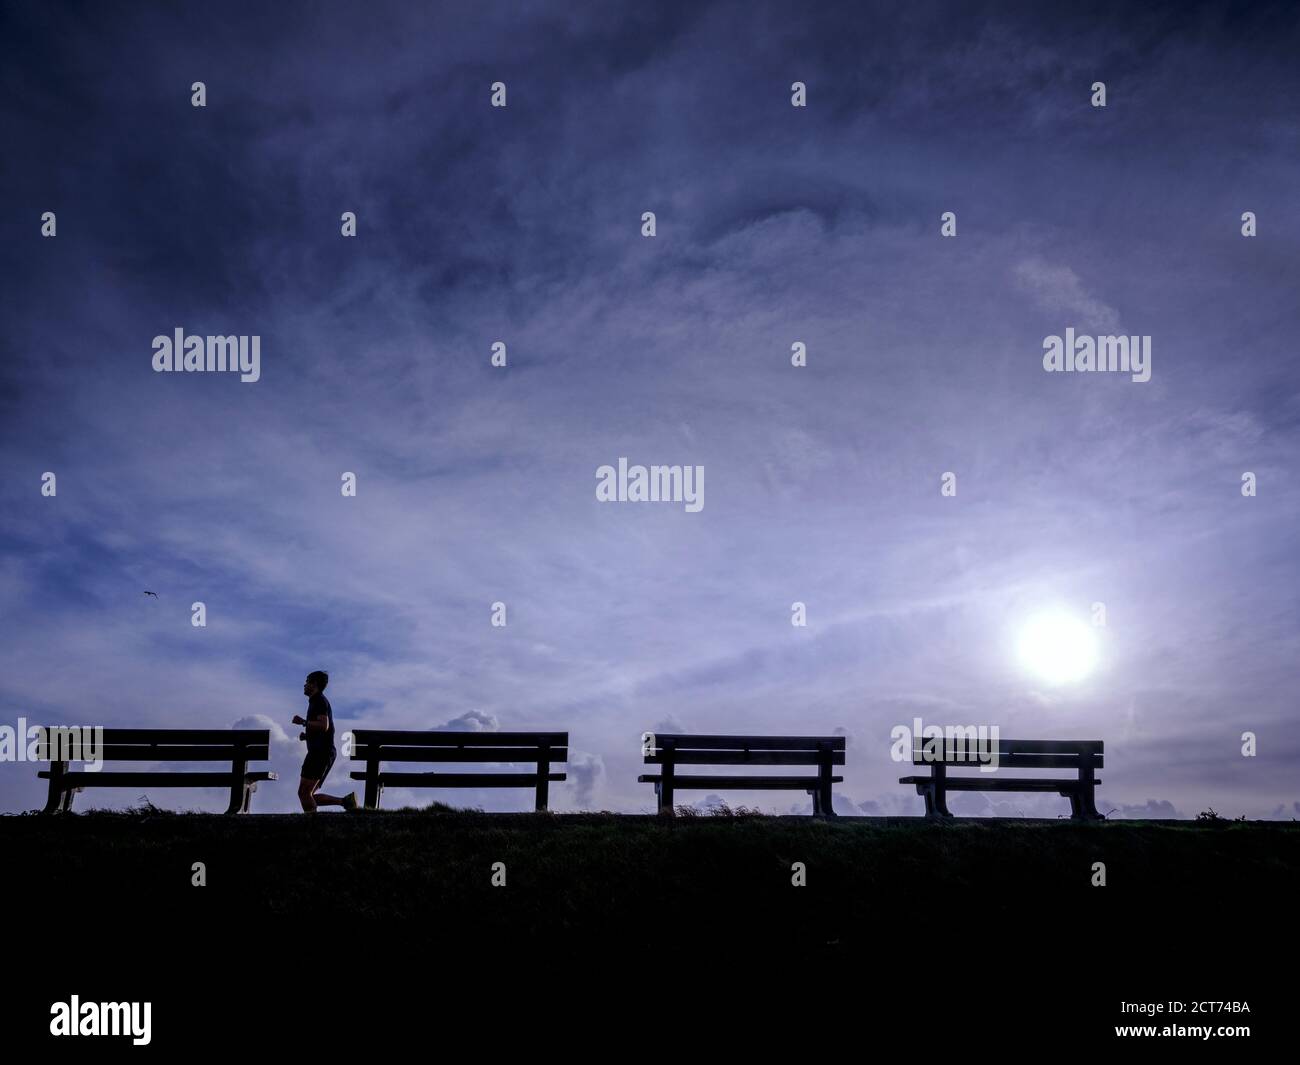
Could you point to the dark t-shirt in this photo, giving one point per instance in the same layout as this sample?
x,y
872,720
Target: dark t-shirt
x,y
319,706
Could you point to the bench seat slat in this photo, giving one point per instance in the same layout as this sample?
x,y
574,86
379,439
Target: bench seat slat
x,y
739,783
109,779
1009,761
1013,747
999,783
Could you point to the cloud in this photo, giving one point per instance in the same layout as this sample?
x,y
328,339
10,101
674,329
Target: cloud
x,y
1229,435
894,804
845,806
259,721
1152,809
1058,290
471,721
585,771
995,804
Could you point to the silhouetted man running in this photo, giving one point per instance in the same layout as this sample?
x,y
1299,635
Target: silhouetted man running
x,y
318,731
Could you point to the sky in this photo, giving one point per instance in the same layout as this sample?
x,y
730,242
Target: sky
x,y
774,225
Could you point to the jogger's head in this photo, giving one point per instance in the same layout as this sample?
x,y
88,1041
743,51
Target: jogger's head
x,y
315,683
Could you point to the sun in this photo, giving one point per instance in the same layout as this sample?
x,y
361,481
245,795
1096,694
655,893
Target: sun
x,y
1058,648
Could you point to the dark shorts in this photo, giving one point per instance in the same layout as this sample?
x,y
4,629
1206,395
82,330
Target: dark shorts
x,y
317,764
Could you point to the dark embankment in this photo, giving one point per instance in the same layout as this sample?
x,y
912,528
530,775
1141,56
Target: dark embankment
x,y
642,881
991,927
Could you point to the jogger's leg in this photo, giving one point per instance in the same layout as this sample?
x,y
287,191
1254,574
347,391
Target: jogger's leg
x,y
327,800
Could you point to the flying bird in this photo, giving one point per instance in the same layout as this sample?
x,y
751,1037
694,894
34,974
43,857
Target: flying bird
x,y
154,594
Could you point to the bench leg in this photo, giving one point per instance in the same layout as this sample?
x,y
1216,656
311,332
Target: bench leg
x,y
665,788
543,783
59,801
1083,806
821,798
238,787
374,789
936,801
823,804
239,798
59,798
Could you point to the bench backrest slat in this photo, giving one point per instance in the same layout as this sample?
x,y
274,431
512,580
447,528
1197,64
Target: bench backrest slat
x,y
676,749
1011,754
172,745
429,738
378,745
208,752
679,742
191,736
384,752
691,757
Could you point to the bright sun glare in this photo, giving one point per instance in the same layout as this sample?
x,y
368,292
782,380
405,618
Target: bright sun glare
x,y
1058,648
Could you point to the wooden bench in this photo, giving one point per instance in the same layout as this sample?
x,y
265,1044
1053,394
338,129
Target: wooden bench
x,y
1082,756
236,746
540,749
671,751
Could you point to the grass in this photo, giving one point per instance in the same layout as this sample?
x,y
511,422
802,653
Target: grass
x,y
641,880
